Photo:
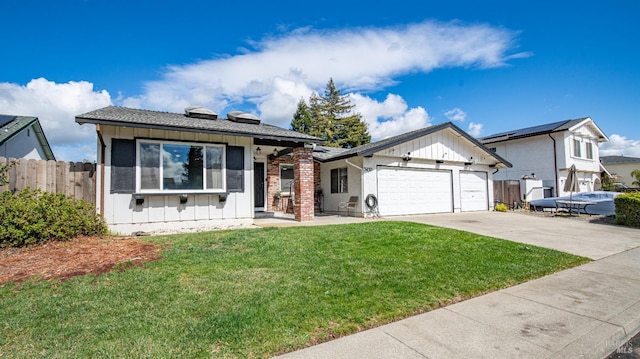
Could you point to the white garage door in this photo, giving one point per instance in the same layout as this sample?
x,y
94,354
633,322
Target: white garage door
x,y
413,191
473,191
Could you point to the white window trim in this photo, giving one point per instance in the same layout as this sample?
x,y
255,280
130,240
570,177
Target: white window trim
x,y
588,144
181,191
573,147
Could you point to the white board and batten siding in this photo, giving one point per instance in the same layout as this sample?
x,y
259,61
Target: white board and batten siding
x,y
446,145
201,210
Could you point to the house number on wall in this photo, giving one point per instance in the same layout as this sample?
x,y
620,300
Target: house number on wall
x,y
368,169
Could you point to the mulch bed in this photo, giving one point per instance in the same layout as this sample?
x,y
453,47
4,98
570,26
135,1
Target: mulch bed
x,y
79,256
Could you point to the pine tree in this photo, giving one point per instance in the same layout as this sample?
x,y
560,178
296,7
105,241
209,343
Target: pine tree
x,y
332,119
302,121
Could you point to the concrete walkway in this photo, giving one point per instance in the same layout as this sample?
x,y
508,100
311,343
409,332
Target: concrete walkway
x,y
583,312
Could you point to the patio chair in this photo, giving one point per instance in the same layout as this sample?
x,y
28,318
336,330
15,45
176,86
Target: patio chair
x,y
351,204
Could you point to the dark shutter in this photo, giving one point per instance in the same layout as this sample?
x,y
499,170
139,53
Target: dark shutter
x,y
123,166
334,180
235,169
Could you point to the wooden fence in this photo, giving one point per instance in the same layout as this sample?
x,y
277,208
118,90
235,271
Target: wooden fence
x,y
507,192
75,179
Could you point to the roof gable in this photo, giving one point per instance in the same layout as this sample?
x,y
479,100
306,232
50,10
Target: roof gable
x,y
11,125
122,116
390,143
588,128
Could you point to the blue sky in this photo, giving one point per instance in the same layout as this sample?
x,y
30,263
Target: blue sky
x,y
487,66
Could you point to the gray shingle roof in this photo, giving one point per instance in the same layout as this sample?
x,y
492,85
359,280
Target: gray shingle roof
x,y
322,153
609,160
122,116
534,131
371,148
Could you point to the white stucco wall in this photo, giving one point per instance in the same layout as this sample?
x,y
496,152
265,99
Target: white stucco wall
x,y
623,172
354,185
535,156
165,213
529,156
24,144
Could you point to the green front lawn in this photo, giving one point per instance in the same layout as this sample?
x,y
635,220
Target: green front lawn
x,y
259,292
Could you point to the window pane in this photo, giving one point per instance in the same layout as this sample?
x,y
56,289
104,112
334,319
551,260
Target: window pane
x,y
343,181
182,167
214,167
339,180
149,166
286,178
589,151
334,180
576,148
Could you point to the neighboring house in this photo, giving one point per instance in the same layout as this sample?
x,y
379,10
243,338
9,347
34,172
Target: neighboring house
x,y
160,170
620,168
436,169
546,152
22,137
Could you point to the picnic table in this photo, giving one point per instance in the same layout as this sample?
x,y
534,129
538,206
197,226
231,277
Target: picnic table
x,y
571,206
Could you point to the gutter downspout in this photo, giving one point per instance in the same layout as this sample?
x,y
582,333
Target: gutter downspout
x,y
555,164
102,159
352,164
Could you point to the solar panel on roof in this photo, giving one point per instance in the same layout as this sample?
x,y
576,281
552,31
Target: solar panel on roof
x,y
4,119
536,129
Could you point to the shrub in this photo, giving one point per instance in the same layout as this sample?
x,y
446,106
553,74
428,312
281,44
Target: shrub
x,y
628,209
35,216
501,207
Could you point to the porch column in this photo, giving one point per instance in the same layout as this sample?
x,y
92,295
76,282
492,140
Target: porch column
x,y
303,184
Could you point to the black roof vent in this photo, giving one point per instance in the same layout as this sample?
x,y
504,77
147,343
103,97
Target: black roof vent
x,y
243,117
200,112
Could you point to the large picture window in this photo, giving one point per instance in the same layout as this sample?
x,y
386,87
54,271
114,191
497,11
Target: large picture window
x,y
176,167
339,180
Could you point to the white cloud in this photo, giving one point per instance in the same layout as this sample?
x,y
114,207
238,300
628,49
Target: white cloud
x,y
475,129
390,117
619,145
56,105
456,114
273,75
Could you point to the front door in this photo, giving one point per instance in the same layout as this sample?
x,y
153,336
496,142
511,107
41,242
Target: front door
x,y
258,184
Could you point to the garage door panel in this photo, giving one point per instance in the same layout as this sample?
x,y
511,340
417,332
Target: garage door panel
x,y
473,191
413,191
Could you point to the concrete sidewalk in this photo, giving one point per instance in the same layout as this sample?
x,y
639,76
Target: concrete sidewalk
x,y
583,312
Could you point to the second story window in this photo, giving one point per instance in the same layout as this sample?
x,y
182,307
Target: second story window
x,y
589,150
576,148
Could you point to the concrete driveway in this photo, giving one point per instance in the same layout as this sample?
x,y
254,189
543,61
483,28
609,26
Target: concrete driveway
x,y
572,235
